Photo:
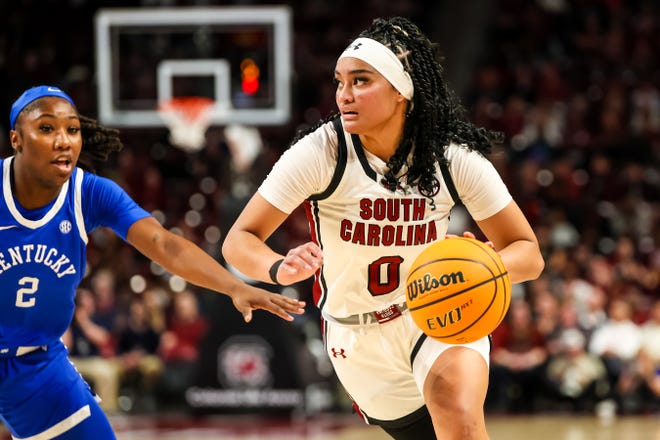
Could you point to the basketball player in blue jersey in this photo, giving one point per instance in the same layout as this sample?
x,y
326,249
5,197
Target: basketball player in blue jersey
x,y
372,181
48,208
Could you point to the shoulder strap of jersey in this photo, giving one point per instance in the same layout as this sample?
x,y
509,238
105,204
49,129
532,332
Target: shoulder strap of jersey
x,y
444,168
342,154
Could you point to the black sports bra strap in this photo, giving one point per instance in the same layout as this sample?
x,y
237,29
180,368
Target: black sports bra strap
x,y
444,168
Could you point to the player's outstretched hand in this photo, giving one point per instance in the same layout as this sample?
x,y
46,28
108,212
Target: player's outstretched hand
x,y
249,298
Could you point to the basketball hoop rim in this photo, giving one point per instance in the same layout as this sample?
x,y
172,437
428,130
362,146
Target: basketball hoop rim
x,y
187,118
195,104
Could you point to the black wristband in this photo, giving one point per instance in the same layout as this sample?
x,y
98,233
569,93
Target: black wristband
x,y
273,270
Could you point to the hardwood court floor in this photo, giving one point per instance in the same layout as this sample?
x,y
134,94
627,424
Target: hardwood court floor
x,y
349,427
345,427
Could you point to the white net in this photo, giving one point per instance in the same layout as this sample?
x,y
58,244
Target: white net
x,y
187,118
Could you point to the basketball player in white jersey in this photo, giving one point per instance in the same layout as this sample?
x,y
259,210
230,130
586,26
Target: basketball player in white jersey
x,y
371,181
47,208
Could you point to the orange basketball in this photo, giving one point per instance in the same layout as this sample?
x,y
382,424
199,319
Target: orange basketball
x,y
458,290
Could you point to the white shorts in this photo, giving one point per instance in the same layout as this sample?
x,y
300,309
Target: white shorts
x,y
383,366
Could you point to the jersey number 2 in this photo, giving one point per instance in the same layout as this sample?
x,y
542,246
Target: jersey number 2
x,y
31,285
383,281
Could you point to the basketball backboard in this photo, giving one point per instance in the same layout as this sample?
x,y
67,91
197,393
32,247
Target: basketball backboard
x,y
238,56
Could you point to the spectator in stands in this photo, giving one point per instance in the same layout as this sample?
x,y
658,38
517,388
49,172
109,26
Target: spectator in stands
x,y
92,350
518,360
102,283
650,357
639,385
156,302
617,342
137,348
179,345
575,375
568,319
546,309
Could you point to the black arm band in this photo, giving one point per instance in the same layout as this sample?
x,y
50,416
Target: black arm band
x,y
273,270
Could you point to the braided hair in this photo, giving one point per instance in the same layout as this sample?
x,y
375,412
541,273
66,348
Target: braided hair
x,y
435,117
98,142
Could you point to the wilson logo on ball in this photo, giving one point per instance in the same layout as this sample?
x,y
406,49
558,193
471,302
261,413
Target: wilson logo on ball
x,y
458,290
428,283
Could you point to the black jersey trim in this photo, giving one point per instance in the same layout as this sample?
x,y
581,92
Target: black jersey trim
x,y
417,347
312,209
362,156
323,284
342,157
444,168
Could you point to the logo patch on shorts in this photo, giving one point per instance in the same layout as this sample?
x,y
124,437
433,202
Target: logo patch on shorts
x,y
336,353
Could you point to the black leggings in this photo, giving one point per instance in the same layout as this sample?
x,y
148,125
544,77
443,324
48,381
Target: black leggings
x,y
417,426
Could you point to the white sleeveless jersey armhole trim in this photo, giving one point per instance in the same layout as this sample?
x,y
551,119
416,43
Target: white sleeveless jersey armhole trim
x,y
80,220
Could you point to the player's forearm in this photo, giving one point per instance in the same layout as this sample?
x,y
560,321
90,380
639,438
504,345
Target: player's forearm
x,y
523,260
180,256
197,267
251,256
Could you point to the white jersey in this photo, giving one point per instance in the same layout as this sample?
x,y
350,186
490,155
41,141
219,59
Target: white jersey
x,y
370,235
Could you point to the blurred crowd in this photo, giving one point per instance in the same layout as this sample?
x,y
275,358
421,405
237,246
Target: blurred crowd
x,y
575,88
573,84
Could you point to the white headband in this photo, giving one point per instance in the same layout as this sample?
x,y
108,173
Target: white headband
x,y
384,61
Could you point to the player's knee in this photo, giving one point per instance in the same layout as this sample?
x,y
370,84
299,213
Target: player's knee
x,y
457,382
460,407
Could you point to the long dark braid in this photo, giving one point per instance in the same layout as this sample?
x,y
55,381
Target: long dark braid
x,y
435,118
98,143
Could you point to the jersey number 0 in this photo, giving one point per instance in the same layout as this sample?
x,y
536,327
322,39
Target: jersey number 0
x,y
383,283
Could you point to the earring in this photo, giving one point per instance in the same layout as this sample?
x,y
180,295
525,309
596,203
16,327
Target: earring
x,y
411,107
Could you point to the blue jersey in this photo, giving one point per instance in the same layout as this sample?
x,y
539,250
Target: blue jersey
x,y
43,253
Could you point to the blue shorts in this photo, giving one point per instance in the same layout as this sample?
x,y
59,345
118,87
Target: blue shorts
x,y
42,397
